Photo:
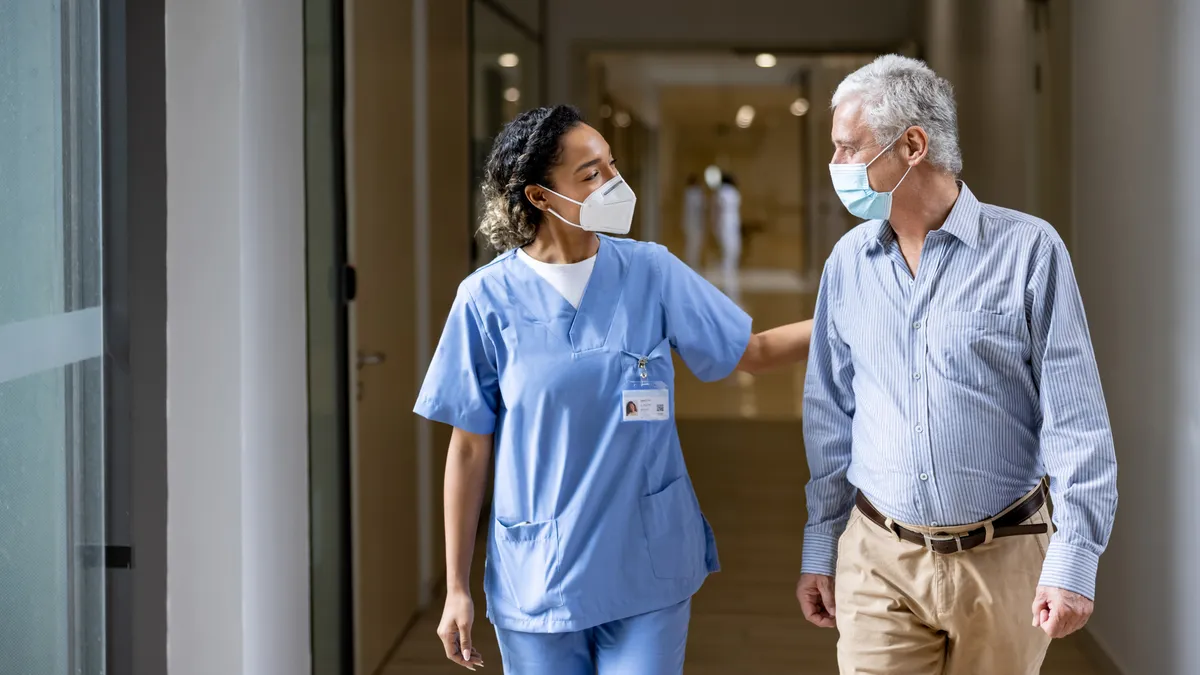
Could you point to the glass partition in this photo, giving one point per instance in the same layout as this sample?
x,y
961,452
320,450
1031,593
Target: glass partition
x,y
506,78
52,448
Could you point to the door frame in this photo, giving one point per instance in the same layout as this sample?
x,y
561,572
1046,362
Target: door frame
x,y
332,288
134,188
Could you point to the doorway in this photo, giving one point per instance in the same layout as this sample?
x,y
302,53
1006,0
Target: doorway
x,y
388,245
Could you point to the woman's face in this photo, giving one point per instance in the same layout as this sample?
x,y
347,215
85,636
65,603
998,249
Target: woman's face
x,y
586,163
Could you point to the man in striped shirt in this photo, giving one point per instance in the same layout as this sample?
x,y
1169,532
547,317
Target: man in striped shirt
x,y
951,372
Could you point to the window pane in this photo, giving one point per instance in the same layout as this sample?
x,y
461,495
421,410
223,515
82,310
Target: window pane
x,y
52,618
31,259
33,495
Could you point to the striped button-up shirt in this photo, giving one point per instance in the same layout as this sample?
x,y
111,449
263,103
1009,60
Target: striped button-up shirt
x,y
947,395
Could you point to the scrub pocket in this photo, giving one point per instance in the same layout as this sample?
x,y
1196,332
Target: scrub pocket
x,y
528,555
674,532
981,349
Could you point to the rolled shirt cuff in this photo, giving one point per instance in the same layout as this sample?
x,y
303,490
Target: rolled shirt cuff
x,y
820,554
1071,568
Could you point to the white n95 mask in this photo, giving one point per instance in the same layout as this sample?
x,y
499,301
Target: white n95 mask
x,y
609,209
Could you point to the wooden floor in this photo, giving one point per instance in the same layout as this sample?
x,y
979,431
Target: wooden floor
x,y
750,477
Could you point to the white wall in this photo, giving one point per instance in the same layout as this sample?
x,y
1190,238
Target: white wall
x,y
983,49
237,580
574,25
1009,62
1136,89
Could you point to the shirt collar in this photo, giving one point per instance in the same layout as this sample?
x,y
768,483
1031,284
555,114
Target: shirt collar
x,y
963,223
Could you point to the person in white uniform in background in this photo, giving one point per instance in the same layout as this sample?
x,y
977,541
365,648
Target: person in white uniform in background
x,y
693,220
729,233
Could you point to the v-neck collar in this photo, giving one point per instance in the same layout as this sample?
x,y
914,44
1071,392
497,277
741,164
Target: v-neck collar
x,y
584,329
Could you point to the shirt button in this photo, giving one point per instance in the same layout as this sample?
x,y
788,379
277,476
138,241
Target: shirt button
x,y
917,325
920,428
916,376
935,524
924,476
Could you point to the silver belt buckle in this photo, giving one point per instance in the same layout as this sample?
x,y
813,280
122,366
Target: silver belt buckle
x,y
957,539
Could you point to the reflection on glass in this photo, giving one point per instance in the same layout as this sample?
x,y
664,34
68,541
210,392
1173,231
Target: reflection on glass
x,y
528,12
505,81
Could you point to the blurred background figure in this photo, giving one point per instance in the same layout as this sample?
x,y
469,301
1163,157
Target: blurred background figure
x,y
693,220
729,233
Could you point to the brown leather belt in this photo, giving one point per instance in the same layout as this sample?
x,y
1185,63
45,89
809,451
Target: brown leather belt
x,y
1007,525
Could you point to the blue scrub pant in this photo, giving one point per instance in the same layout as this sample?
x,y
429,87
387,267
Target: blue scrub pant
x,y
649,644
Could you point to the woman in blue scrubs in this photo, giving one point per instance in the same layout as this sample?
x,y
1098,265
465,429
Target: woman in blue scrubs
x,y
556,362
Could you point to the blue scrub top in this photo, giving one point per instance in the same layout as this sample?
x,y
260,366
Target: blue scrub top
x,y
594,519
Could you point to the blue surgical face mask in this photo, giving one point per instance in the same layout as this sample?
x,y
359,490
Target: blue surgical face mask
x,y
854,189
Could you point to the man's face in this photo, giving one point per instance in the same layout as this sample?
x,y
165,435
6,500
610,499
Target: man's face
x,y
854,143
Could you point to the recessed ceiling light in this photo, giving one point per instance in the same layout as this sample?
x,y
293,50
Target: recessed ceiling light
x,y
799,107
744,117
606,111
508,60
512,94
765,60
622,119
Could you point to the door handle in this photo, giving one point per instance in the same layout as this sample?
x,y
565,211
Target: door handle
x,y
370,358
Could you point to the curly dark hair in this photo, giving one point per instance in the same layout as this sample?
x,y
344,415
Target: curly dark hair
x,y
523,154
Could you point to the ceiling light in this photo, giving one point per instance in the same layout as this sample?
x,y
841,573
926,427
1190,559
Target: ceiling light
x,y
744,117
606,111
622,119
765,60
799,107
512,94
508,60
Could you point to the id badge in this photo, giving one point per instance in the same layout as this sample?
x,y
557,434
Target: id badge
x,y
645,400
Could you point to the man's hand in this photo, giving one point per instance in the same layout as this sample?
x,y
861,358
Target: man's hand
x,y
815,593
1060,612
455,630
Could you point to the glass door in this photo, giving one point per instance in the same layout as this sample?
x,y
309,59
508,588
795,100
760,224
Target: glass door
x,y
52,574
330,288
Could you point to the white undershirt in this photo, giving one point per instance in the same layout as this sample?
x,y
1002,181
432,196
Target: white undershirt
x,y
569,280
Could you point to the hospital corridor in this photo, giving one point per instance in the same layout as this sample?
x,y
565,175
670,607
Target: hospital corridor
x,y
637,337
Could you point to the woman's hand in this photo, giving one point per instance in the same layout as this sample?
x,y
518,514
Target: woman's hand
x,y
455,630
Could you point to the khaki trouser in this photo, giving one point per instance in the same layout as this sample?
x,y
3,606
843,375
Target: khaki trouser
x,y
904,610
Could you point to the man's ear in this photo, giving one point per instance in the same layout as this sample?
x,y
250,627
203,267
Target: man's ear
x,y
916,145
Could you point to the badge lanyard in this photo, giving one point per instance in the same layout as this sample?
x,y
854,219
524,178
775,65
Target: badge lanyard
x,y
645,400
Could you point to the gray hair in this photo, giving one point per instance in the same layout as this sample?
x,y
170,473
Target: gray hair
x,y
898,92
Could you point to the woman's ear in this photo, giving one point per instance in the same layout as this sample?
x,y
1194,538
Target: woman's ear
x,y
536,195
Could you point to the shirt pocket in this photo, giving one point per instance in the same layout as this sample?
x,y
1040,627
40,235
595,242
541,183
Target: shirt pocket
x,y
980,349
674,531
529,561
